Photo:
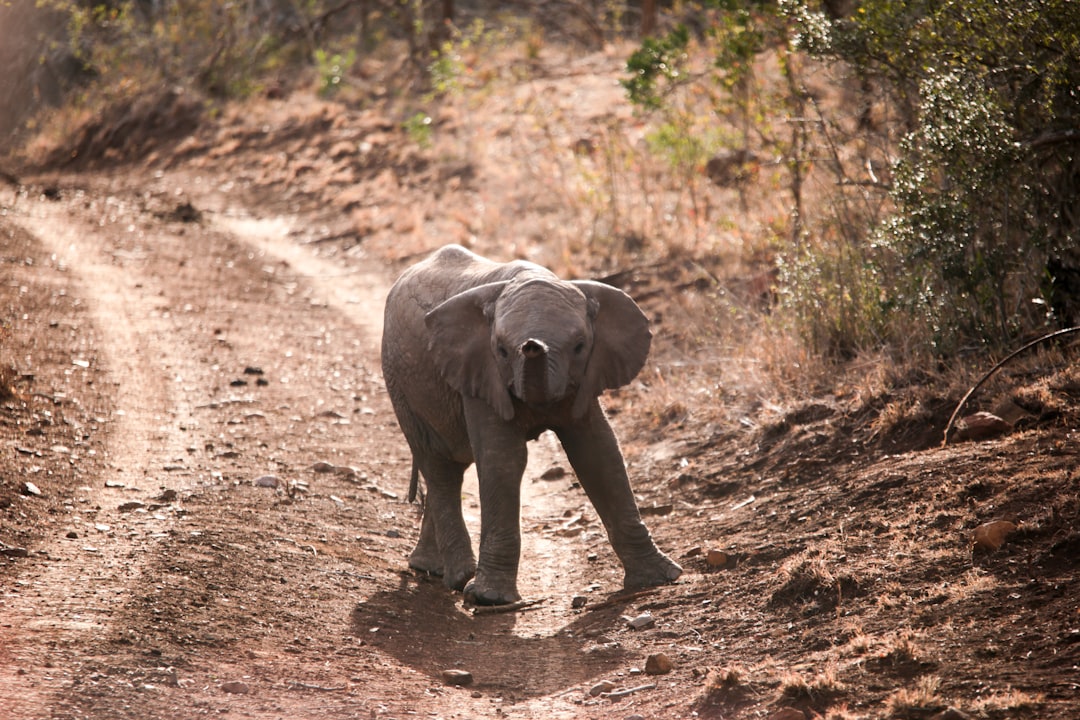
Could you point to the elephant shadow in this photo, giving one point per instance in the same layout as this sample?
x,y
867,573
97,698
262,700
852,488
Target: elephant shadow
x,y
424,626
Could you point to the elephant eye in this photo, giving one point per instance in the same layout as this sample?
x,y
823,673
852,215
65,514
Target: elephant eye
x,y
579,348
502,352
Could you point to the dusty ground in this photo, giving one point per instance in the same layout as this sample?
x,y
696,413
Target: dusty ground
x,y
202,485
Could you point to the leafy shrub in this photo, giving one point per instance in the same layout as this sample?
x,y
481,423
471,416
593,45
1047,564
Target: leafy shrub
x,y
966,234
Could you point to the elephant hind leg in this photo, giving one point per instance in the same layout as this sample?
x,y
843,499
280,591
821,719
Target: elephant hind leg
x,y
444,547
426,557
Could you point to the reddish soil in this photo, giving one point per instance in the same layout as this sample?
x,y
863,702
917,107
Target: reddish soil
x,y
202,484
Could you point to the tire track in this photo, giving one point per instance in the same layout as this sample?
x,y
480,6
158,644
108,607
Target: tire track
x,y
66,604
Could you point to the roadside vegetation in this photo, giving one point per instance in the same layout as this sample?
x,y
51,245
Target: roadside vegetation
x,y
854,183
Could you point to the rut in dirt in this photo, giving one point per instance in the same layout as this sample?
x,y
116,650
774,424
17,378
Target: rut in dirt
x,y
183,314
209,549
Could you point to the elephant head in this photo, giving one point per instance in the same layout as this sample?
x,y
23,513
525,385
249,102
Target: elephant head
x,y
539,340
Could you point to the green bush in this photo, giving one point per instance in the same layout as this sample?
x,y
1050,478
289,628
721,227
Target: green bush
x,y
986,91
970,108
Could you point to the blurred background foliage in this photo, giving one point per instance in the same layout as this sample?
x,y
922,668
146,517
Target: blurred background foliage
x,y
928,152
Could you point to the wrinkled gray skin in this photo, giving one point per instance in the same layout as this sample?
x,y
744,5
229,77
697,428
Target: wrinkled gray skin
x,y
480,357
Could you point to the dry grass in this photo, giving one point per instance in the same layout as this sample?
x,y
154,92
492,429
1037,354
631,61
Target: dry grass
x,y
916,702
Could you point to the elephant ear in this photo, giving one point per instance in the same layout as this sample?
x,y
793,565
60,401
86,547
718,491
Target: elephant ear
x,y
621,340
460,344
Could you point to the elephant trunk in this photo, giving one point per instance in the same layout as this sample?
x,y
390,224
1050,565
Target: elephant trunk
x,y
536,382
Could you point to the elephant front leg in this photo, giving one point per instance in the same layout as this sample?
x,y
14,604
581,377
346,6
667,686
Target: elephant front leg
x,y
594,454
500,462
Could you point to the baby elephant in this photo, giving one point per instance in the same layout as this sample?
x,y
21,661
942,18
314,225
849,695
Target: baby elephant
x,y
480,357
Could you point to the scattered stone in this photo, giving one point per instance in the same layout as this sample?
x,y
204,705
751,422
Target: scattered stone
x,y
238,383
236,687
253,370
102,527
266,481
323,467
12,551
788,713
29,488
556,472
113,484
951,713
131,505
642,621
392,533
658,664
72,535
991,535
692,552
166,496
603,686
578,601
981,426
657,509
457,677
717,558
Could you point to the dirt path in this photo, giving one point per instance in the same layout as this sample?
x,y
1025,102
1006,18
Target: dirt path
x,y
184,578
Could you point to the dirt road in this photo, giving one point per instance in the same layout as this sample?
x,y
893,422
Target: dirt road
x,y
243,524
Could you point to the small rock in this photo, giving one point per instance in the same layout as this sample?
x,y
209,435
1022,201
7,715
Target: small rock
x,y
717,558
236,687
113,484
167,496
658,664
14,552
266,481
601,687
323,467
253,370
29,488
578,601
951,713
392,533
456,677
642,621
131,505
635,717
657,509
991,535
981,426
556,472
72,535
788,713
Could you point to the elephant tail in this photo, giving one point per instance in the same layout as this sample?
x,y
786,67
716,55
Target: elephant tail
x,y
414,483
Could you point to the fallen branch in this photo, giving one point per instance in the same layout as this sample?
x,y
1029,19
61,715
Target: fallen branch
x,y
307,686
616,694
998,366
510,607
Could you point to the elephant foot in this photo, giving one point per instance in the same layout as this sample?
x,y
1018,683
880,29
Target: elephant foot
x,y
478,592
454,578
426,563
659,570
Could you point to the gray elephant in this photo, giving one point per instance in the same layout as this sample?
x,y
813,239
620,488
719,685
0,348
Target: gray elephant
x,y
479,357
